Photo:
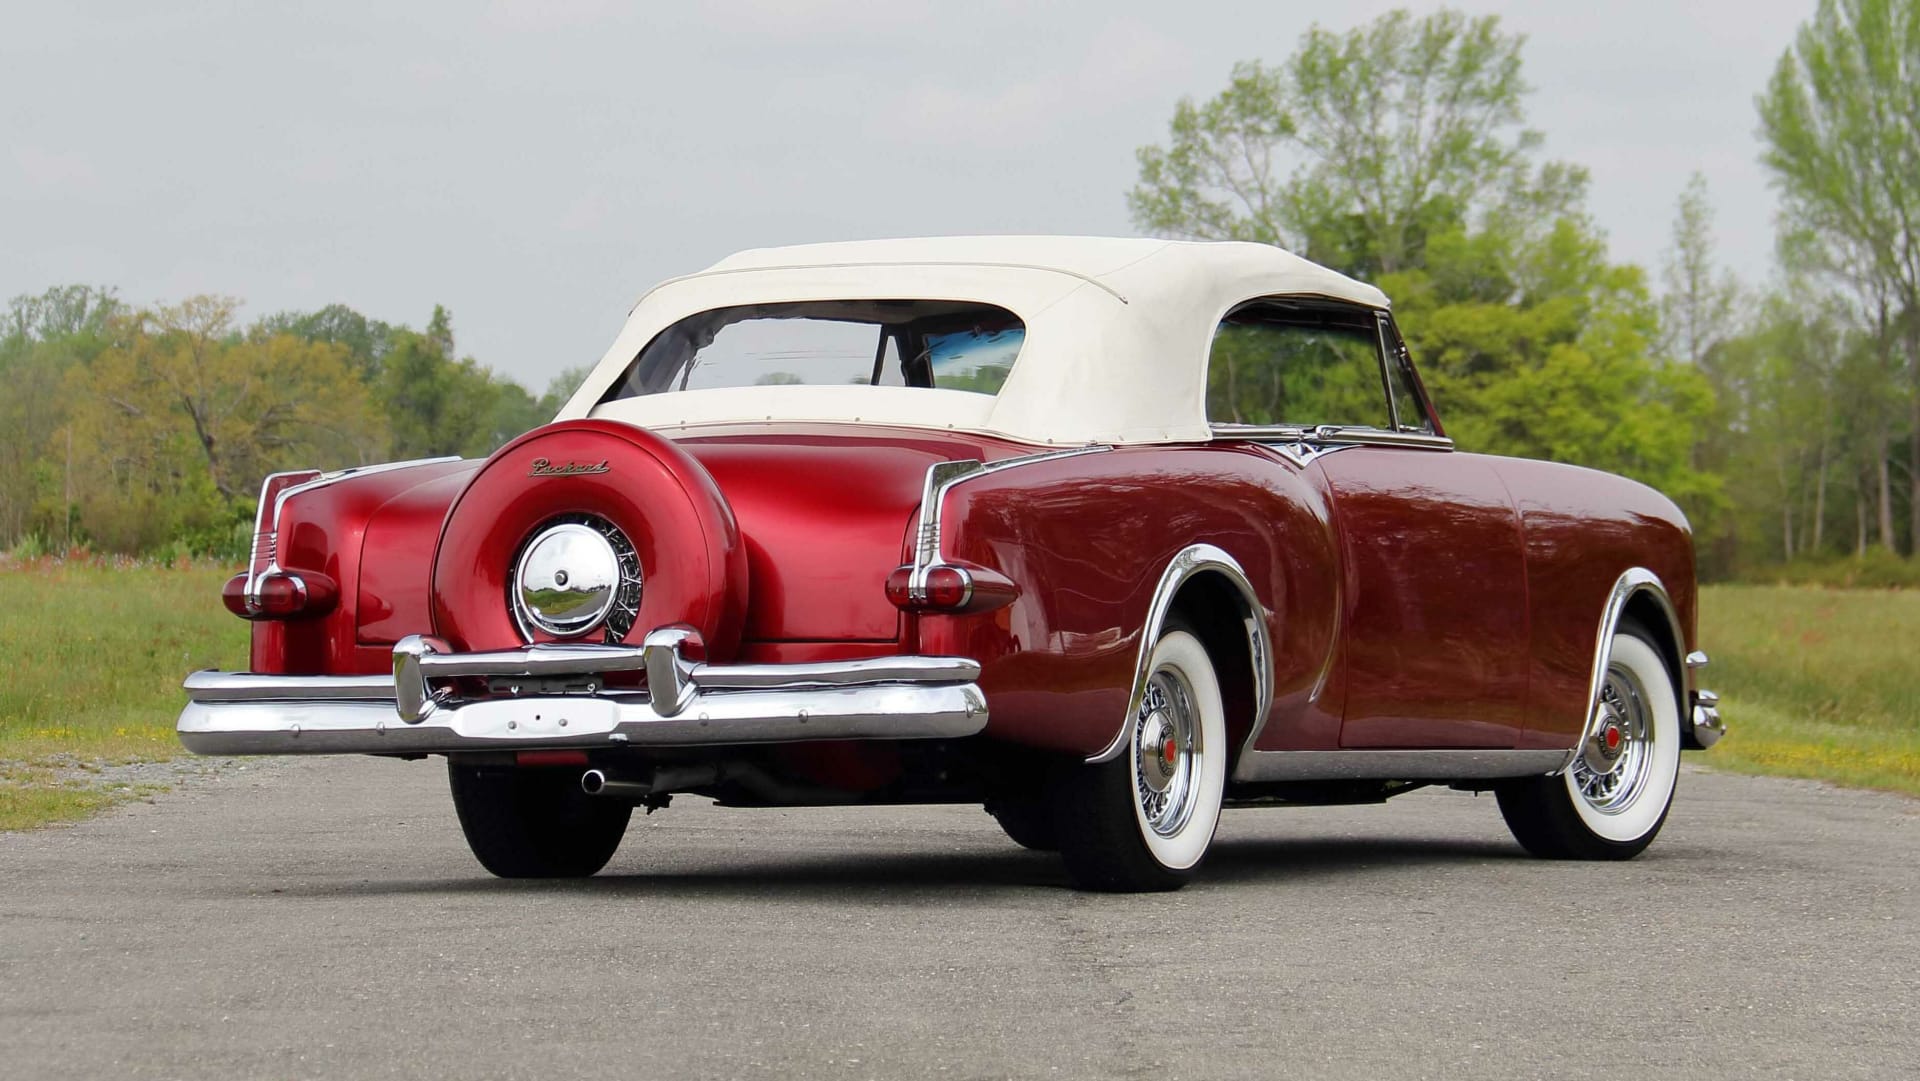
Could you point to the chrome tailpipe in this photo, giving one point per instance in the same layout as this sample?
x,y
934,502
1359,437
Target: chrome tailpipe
x,y
742,776
662,781
596,782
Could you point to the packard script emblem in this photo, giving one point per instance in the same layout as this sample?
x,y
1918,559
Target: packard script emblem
x,y
543,467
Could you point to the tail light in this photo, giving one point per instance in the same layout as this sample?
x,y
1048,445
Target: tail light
x,y
279,594
950,587
264,591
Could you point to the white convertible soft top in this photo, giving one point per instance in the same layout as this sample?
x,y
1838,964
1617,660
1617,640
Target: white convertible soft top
x,y
1118,332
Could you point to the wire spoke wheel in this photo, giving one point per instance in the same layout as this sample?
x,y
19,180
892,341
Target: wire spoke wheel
x,y
1167,747
1614,762
1145,819
1614,795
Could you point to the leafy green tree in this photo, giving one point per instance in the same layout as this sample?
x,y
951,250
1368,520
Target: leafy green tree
x,y
367,341
175,424
560,388
1397,152
1841,121
1359,147
41,339
76,315
1563,370
1701,305
1800,396
435,404
514,411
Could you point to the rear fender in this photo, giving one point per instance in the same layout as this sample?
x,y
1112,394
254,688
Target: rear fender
x,y
1101,547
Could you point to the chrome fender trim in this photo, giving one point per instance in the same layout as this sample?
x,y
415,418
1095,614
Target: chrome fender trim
x,y
1190,561
1635,581
266,520
943,477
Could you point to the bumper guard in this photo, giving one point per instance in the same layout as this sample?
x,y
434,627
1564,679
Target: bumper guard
x,y
686,703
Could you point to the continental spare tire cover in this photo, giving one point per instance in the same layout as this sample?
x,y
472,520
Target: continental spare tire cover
x,y
680,557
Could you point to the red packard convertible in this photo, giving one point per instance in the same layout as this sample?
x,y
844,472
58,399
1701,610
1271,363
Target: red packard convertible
x,y
1102,534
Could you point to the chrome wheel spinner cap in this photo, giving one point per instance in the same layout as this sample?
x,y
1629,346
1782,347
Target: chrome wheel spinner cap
x,y
566,581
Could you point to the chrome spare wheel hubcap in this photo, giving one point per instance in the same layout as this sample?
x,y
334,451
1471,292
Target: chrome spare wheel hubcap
x,y
1616,758
1167,751
572,576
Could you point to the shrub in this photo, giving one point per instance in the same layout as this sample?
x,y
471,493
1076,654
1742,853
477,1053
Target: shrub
x,y
1877,569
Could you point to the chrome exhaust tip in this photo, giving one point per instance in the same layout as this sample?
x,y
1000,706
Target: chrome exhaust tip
x,y
596,782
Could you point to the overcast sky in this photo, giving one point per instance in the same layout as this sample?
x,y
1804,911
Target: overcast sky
x,y
535,164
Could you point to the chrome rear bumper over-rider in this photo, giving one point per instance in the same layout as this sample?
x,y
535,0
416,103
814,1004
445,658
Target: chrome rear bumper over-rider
x,y
1706,727
564,705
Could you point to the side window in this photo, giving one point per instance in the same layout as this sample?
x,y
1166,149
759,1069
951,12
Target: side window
x,y
1297,363
1409,414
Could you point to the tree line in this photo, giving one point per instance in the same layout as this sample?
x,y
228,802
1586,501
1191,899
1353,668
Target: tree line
x,y
149,430
1783,414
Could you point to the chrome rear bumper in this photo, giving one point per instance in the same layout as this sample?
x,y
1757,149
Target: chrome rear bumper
x,y
415,710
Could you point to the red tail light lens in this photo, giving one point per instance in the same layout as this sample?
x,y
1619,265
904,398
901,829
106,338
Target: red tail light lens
x,y
950,588
280,595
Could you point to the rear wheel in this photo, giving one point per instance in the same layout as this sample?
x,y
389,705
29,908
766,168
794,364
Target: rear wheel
x,y
1611,802
535,823
1144,820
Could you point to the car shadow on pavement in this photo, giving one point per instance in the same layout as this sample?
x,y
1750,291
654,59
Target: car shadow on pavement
x,y
906,876
1294,859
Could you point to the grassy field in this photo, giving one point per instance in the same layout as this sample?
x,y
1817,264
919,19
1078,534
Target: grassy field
x,y
95,655
1821,683
1815,682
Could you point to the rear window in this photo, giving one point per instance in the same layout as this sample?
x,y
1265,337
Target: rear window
x,y
899,343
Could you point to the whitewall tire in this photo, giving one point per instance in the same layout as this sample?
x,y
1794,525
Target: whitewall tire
x,y
1614,797
1145,819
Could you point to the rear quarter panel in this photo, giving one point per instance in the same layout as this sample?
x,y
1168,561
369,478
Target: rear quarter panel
x,y
327,530
1087,538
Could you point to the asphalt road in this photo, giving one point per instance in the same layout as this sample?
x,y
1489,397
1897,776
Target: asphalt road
x,y
322,918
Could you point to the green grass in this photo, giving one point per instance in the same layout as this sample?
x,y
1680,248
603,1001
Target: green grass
x,y
1814,682
1821,683
95,654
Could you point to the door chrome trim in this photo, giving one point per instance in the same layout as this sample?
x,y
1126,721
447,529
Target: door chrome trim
x,y
1440,765
1192,560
